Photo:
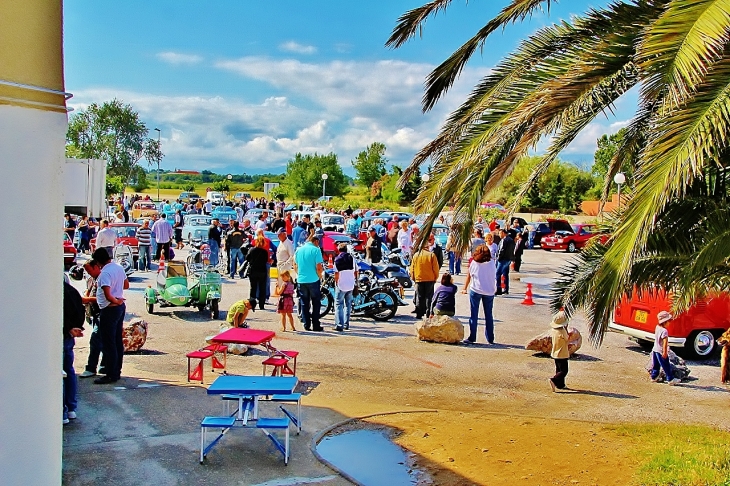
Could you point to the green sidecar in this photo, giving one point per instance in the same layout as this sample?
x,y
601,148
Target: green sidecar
x,y
175,288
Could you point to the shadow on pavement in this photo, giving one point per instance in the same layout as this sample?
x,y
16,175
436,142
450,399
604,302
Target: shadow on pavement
x,y
599,394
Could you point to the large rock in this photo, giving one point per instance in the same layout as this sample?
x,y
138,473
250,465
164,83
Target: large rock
x,y
679,367
440,329
134,335
544,342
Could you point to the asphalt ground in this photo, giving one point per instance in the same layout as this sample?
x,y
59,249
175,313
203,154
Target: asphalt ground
x,y
145,428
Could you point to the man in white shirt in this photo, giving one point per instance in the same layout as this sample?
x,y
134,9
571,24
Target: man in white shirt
x,y
284,254
111,284
163,235
208,207
106,238
262,223
345,278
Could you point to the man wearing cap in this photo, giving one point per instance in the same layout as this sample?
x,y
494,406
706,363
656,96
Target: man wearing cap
x,y
660,351
284,254
309,266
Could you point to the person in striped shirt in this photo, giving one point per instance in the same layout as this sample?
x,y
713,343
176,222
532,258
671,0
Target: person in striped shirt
x,y
144,237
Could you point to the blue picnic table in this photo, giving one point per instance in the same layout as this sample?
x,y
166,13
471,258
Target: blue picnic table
x,y
247,390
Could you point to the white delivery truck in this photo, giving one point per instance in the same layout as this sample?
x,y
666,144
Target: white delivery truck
x,y
84,187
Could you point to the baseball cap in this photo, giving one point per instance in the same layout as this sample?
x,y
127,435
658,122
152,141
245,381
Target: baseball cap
x,y
280,231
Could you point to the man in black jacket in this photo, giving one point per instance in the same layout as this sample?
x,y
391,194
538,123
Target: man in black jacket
x,y
505,255
73,326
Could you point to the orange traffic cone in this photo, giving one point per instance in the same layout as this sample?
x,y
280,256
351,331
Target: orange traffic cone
x,y
528,296
161,265
331,262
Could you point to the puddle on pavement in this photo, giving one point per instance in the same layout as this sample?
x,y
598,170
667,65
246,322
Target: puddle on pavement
x,y
369,457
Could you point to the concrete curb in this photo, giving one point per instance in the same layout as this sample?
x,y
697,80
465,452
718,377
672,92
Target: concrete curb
x,y
320,435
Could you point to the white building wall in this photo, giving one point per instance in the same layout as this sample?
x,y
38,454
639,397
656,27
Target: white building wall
x,y
31,219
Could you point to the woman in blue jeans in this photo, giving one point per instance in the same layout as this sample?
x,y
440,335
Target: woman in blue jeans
x,y
481,282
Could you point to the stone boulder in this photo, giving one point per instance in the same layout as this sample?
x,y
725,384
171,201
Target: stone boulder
x,y
440,329
679,367
544,342
134,335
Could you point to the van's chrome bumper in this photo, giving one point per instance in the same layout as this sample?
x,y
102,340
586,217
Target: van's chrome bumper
x,y
646,336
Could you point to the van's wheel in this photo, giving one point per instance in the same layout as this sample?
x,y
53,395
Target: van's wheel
x,y
700,344
571,247
214,309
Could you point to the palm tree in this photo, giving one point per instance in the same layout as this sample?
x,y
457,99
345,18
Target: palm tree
x,y
560,79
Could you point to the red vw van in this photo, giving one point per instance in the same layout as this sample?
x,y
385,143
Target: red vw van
x,y
695,330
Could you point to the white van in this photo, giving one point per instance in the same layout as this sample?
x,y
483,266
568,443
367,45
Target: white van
x,y
215,197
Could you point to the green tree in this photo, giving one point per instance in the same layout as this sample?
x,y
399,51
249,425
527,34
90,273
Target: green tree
x,y
556,82
370,164
608,146
114,185
114,132
141,183
304,176
221,185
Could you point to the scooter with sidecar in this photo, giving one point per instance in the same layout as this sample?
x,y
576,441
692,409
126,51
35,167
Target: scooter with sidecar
x,y
176,288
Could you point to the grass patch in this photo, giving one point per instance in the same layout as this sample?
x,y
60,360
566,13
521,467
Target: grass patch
x,y
685,455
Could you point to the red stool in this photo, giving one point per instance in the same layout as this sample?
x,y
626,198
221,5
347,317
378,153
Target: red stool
x,y
291,356
197,373
277,363
217,363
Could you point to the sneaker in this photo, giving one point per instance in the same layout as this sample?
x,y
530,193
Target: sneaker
x,y
104,380
675,381
347,326
466,341
658,379
552,384
339,329
65,421
87,374
72,415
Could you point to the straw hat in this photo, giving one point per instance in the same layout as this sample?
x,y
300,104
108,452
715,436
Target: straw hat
x,y
664,316
559,320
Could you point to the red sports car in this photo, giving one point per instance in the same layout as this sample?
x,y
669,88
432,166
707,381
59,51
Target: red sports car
x,y
69,252
572,241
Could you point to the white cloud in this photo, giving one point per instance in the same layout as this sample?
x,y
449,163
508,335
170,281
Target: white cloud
x,y
585,142
297,48
178,58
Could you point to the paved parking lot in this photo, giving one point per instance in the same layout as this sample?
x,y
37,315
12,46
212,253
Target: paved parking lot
x,y
147,426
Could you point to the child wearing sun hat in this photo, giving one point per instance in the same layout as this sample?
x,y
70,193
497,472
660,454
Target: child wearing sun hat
x,y
560,352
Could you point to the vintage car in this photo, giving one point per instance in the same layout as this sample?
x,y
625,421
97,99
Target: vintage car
x,y
175,288
695,330
254,214
241,196
574,240
143,209
549,227
366,222
224,215
69,252
195,227
127,234
441,231
189,197
333,222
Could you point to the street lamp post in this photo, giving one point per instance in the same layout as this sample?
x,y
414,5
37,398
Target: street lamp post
x,y
619,179
324,185
230,178
158,163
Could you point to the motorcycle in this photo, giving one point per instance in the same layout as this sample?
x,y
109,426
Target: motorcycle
x,y
372,297
123,256
393,267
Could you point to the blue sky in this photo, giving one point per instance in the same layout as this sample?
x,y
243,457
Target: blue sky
x,y
241,86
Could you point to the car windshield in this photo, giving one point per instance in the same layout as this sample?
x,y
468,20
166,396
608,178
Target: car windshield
x,y
440,231
126,231
225,216
147,206
199,221
66,237
333,219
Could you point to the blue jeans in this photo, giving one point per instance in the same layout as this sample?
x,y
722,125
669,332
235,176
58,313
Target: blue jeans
x,y
503,270
343,307
145,258
487,302
214,251
70,383
310,302
94,346
531,239
111,325
454,263
236,259
154,245
657,361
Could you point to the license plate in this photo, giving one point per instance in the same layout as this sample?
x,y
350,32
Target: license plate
x,y
549,243
641,316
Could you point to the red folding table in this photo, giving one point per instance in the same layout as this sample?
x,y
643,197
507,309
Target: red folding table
x,y
251,337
